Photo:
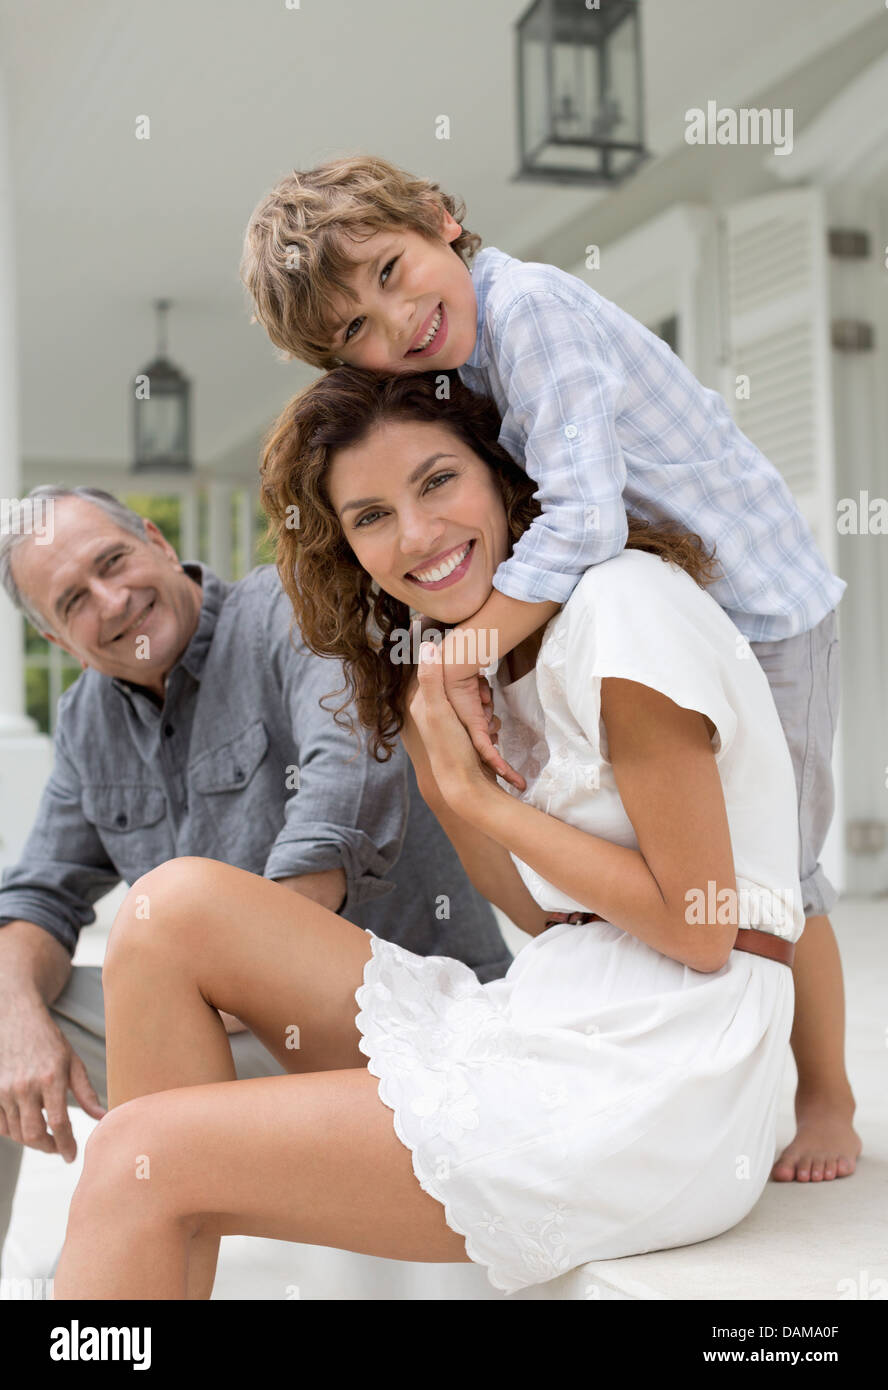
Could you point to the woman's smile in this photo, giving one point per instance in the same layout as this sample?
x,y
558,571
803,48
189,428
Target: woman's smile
x,y
448,569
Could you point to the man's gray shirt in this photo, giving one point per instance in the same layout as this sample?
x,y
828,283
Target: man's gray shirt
x,y
240,763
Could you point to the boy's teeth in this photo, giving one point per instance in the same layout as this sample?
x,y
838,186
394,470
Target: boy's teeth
x,y
441,571
436,324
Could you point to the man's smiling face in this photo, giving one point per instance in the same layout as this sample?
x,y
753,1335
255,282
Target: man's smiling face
x,y
416,309
103,591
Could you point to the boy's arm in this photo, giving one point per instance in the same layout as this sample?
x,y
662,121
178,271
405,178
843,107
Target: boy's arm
x,y
563,384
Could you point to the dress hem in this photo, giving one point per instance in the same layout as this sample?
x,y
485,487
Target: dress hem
x,y
425,1182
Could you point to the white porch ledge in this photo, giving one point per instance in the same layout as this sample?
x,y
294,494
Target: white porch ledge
x,y
815,1241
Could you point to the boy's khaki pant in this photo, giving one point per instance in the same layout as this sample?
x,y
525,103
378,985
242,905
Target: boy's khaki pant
x,y
79,1013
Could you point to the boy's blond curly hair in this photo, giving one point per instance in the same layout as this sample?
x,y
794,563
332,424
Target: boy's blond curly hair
x,y
295,257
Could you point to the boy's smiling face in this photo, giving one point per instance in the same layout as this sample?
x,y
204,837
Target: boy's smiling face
x,y
408,287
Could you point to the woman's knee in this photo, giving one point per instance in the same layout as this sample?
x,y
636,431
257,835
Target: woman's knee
x,y
126,1169
164,905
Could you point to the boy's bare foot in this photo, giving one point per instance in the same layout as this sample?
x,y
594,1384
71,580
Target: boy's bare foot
x,y
826,1145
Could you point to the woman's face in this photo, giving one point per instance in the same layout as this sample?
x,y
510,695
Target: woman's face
x,y
423,515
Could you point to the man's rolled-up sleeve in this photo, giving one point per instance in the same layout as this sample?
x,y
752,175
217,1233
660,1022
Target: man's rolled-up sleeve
x,y
64,867
346,810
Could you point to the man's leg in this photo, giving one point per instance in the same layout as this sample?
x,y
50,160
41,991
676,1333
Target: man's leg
x,y
80,1015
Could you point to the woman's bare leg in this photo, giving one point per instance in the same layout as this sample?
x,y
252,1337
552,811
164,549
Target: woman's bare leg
x,y
312,1159
196,935
285,966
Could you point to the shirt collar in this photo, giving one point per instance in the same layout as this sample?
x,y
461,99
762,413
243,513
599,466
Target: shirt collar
x,y
483,273
215,592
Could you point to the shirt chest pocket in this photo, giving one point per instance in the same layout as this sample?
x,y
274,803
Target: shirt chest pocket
x,y
131,822
230,766
235,803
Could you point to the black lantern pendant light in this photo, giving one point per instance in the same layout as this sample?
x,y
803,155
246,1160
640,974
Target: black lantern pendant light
x,y
162,418
580,99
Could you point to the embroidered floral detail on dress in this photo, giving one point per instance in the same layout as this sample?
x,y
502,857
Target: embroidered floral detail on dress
x,y
491,1224
555,1096
446,1106
543,1244
425,1024
522,747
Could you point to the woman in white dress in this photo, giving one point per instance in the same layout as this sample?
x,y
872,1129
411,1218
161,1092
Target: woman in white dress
x,y
616,1091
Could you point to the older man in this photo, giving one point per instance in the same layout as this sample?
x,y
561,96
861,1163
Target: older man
x,y
195,730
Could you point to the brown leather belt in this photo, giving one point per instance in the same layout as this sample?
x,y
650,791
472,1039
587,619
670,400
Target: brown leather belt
x,y
759,943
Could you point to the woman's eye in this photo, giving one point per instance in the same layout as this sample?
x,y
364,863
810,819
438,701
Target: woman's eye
x,y
348,332
440,478
368,516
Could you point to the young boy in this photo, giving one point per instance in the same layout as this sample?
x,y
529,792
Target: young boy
x,y
359,262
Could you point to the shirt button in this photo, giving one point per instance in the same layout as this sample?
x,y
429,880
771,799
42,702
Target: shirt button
x,y
168,730
238,774
571,431
121,820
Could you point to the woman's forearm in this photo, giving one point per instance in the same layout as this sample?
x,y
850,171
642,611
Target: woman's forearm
x,y
487,864
490,869
611,880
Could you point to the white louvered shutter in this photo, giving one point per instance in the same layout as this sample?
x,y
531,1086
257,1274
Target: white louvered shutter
x,y
777,299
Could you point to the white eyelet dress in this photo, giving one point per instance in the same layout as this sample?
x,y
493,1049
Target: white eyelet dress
x,y
602,1100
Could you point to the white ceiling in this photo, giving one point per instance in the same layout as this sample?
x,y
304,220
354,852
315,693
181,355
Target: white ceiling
x,y
239,91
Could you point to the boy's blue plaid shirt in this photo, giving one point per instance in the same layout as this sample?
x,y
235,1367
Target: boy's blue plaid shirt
x,y
604,416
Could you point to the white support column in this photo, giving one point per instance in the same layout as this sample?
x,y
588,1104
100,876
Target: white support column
x,y
25,755
220,528
188,522
245,529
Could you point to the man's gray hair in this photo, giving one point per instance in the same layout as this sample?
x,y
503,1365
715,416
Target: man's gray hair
x,y
17,531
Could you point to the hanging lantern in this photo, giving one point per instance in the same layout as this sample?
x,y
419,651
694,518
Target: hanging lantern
x,y
580,107
162,417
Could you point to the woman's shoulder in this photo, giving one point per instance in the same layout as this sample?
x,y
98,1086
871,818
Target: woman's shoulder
x,y
645,619
641,585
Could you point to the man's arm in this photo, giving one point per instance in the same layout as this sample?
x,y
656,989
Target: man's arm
x,y
44,901
63,868
346,812
327,888
33,964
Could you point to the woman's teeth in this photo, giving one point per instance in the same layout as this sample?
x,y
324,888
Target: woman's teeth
x,y
436,324
446,567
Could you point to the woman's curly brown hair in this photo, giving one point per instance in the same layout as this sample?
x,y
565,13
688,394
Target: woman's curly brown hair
x,y
340,610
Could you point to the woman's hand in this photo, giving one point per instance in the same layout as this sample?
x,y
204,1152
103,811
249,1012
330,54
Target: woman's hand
x,y
460,775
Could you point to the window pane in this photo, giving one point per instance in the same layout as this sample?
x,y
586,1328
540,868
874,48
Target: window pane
x,y
33,641
165,512
37,696
263,550
667,329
